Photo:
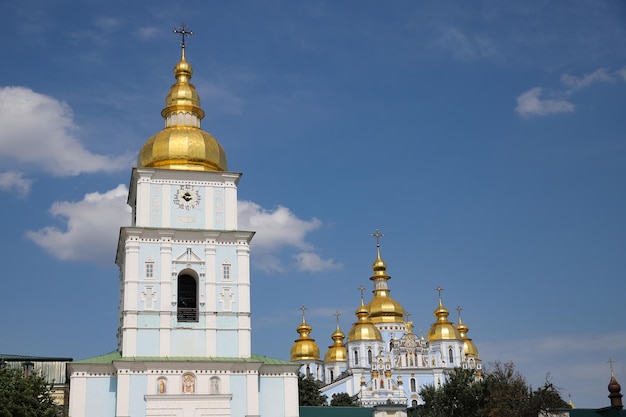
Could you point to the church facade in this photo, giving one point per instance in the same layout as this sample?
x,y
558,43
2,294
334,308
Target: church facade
x,y
382,360
184,336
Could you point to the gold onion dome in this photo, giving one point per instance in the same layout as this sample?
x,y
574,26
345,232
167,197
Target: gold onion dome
x,y
337,351
363,329
442,329
383,308
304,348
182,144
469,348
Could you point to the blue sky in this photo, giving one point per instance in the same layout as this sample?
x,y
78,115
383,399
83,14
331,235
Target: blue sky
x,y
485,139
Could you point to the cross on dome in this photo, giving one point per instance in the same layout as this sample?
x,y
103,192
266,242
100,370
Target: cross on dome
x,y
183,31
377,235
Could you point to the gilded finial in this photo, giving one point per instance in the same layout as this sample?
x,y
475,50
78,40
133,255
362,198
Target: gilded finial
x,y
183,31
610,362
303,308
439,289
459,309
377,235
337,314
362,288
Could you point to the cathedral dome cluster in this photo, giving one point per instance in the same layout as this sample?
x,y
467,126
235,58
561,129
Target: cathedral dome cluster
x,y
182,144
383,359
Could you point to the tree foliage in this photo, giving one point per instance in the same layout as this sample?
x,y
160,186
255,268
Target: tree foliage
x,y
343,399
309,392
25,396
502,392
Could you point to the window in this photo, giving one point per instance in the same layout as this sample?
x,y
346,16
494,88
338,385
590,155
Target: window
x,y
369,356
149,269
226,271
187,307
332,375
450,355
413,385
356,357
414,403
215,385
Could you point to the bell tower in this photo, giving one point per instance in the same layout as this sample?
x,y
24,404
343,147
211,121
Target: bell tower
x,y
184,266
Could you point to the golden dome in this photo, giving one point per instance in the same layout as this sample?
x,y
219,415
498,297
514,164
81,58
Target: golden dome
x,y
469,348
337,351
182,144
363,329
442,329
304,348
383,308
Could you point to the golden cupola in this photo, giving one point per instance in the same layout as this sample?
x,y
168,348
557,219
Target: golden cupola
x,y
304,347
469,348
442,329
363,329
337,351
182,144
383,308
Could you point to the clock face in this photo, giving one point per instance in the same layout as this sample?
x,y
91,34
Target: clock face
x,y
187,197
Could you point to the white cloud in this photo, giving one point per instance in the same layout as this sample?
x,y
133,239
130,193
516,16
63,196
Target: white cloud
x,y
39,131
92,227
310,261
14,181
622,73
576,83
280,229
465,47
149,32
531,104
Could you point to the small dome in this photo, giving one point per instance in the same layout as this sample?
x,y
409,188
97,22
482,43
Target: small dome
x,y
337,351
442,329
383,308
469,348
304,348
182,144
363,329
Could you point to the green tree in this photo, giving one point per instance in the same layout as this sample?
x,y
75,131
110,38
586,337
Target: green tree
x,y
309,392
343,399
461,394
502,392
25,396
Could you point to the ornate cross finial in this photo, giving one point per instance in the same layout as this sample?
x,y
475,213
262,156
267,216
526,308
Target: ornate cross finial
x,y
362,288
459,309
610,362
439,289
303,308
406,316
377,235
337,314
183,31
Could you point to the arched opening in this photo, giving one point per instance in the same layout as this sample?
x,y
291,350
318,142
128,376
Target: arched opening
x,y
187,306
450,355
414,403
413,387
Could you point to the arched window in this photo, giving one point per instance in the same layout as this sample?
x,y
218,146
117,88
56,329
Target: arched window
x,y
332,375
215,385
413,385
187,306
226,270
356,357
308,370
414,403
450,355
369,356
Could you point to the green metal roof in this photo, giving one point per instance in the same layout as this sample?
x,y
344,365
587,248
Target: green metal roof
x,y
335,412
117,356
23,358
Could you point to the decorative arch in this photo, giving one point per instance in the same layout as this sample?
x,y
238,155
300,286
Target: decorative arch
x,y
215,385
161,386
189,383
187,296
